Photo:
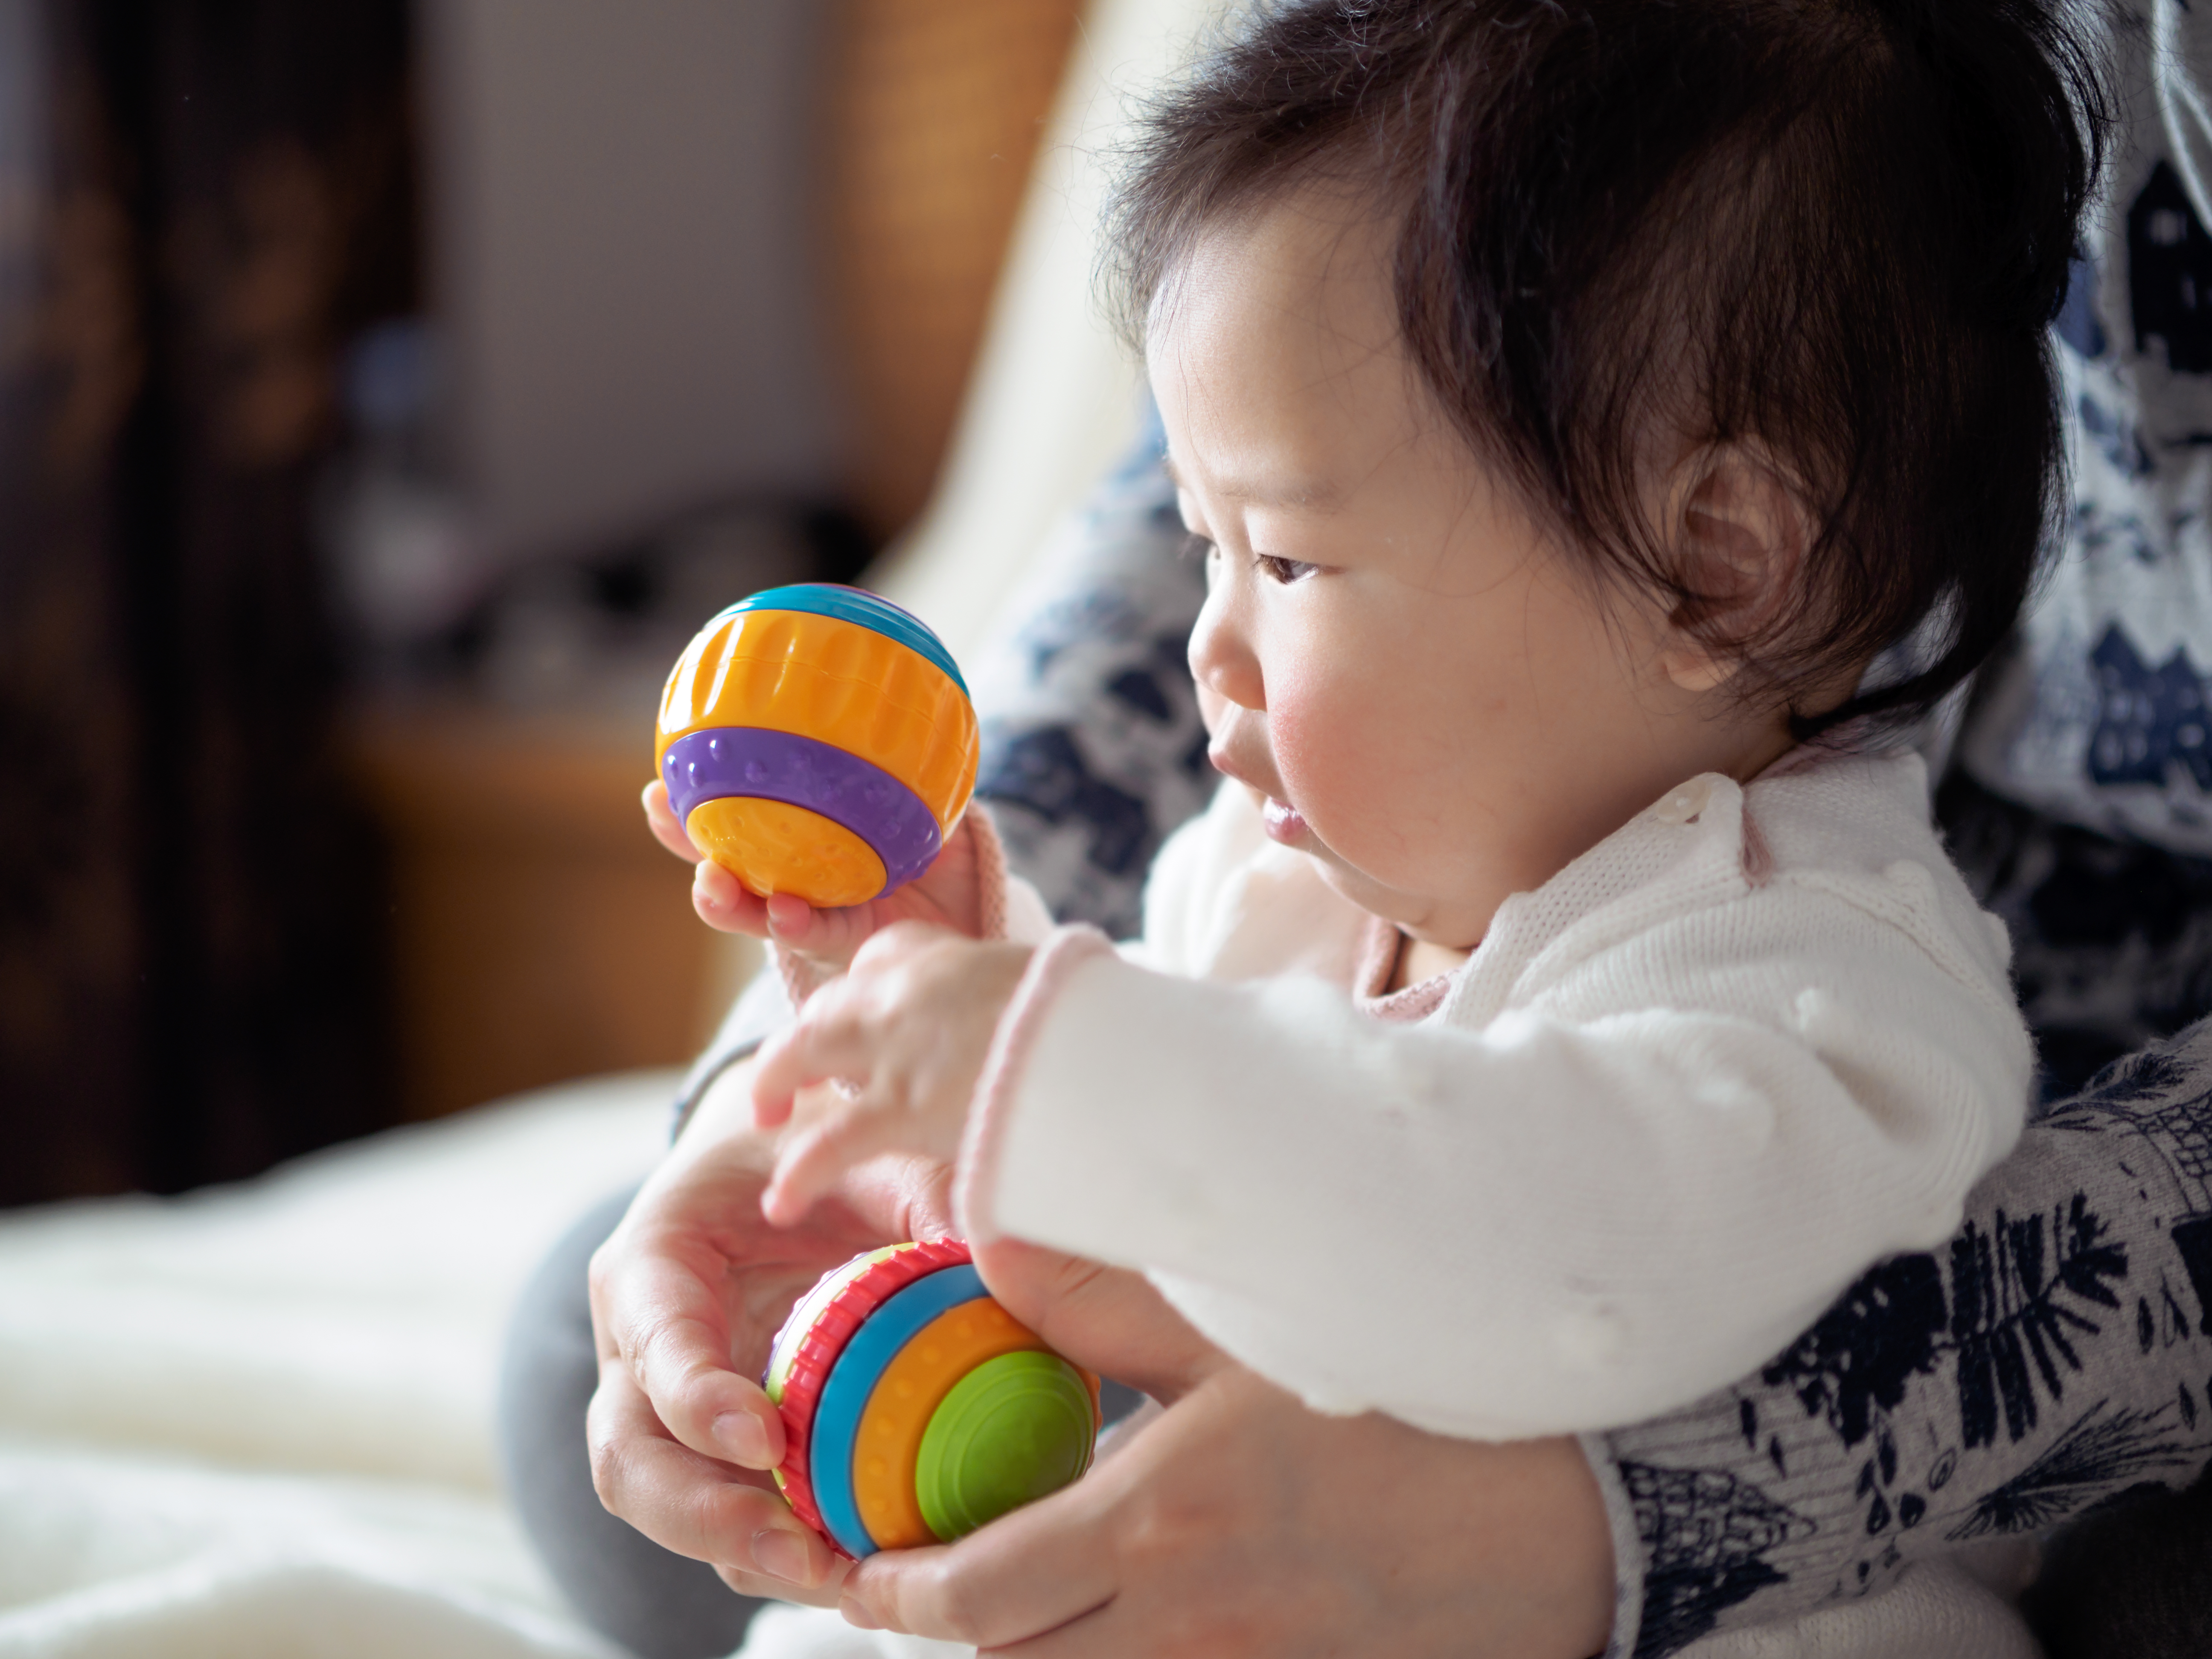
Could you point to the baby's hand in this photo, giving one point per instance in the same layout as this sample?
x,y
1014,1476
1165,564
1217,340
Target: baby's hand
x,y
946,895
909,1028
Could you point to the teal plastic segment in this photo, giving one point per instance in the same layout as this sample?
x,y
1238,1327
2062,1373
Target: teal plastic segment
x,y
855,604
836,1425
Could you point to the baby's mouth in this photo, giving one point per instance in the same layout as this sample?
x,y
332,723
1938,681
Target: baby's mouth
x,y
1283,823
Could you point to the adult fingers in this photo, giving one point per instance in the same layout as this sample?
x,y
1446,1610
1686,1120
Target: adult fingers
x,y
1106,1632
1027,1573
697,1506
766,1587
661,817
657,1310
1107,1318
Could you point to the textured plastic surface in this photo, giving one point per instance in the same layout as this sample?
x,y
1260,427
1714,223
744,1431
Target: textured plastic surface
x,y
911,1388
753,764
773,846
807,1348
855,605
784,1351
853,1378
1013,1430
836,683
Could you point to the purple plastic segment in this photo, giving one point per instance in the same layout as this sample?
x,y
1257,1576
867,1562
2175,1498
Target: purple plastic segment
x,y
753,761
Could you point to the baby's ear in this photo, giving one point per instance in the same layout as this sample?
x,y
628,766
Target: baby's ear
x,y
1741,532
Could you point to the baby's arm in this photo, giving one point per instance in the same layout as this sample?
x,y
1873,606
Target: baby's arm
x,y
1562,1220
910,1026
908,1029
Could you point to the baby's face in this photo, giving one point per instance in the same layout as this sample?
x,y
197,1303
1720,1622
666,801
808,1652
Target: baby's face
x,y
1427,697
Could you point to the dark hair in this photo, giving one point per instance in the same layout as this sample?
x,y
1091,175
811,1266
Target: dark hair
x,y
1839,228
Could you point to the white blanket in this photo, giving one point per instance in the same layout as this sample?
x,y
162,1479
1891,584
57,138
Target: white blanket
x,y
256,1422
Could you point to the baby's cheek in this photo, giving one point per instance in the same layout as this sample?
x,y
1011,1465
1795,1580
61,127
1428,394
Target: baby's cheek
x,y
1335,760
1377,778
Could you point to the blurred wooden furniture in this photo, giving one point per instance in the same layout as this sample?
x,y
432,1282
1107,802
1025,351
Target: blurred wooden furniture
x,y
934,110
539,932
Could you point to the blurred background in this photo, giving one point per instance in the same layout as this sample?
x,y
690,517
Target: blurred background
x,y
387,392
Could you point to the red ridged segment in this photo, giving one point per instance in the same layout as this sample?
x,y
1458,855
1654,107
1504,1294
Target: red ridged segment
x,y
824,1339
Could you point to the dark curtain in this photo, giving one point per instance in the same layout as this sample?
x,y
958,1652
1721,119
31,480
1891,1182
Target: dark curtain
x,y
199,202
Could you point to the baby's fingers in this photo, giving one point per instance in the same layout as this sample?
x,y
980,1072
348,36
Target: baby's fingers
x,y
829,936
661,817
827,1042
818,1159
724,904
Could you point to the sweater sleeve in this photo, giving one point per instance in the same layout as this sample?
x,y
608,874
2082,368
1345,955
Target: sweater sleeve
x,y
1605,1218
2050,1355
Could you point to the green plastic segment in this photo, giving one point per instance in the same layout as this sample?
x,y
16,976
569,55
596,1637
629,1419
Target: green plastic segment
x,y
1014,1430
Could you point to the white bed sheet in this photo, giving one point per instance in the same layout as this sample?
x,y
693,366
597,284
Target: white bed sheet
x,y
257,1419
256,1422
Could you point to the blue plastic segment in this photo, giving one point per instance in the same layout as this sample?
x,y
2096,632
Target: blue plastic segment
x,y
855,604
854,1378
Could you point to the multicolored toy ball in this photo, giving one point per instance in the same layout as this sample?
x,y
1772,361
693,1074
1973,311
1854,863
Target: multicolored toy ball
x,y
915,1408
817,740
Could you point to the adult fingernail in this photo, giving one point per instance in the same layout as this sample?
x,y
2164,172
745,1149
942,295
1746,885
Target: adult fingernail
x,y
740,1435
856,1613
781,1553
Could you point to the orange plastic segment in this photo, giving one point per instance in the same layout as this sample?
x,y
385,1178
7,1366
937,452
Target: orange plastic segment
x,y
913,1386
838,683
774,847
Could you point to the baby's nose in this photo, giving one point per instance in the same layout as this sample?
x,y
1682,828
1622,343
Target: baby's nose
x,y
1222,662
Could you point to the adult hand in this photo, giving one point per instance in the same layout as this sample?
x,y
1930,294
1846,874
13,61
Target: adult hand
x,y
1239,1523
688,1292
687,1295
949,894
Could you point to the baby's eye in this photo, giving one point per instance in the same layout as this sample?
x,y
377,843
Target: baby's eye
x,y
1195,546
1285,571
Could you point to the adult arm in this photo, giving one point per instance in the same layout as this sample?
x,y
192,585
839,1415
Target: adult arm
x,y
2051,1356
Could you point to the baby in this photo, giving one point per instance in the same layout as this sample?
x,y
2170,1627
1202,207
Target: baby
x,y
1605,423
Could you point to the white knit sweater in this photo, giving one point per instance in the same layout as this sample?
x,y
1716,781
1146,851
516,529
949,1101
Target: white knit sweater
x,y
1679,1097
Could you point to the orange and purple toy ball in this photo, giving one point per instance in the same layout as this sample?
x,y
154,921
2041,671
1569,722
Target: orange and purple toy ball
x,y
915,1408
817,740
